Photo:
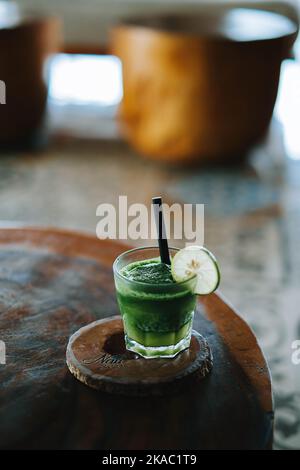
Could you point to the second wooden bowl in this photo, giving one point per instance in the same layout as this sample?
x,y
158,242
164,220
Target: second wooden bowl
x,y
25,46
200,87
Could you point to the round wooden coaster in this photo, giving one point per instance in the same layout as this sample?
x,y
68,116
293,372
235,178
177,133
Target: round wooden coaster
x,y
96,355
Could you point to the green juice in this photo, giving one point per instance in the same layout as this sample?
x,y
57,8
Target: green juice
x,y
157,312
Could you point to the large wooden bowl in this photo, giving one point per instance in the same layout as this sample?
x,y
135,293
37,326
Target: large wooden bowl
x,y
25,45
200,87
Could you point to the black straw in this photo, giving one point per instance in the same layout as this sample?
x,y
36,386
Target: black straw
x,y
161,230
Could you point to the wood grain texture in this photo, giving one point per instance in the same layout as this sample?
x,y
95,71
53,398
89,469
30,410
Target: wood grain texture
x,y
52,283
97,356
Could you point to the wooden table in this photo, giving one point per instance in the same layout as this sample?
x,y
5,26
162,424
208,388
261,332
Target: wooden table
x,y
51,283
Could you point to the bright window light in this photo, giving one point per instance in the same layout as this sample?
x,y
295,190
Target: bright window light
x,y
287,108
85,79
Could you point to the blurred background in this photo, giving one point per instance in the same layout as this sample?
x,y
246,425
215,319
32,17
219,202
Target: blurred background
x,y
200,104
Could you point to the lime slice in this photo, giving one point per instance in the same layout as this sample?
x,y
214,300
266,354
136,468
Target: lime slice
x,y
196,260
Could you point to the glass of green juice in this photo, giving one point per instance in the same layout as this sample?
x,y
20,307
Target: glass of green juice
x,y
157,312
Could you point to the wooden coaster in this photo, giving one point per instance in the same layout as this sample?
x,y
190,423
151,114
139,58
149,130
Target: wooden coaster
x,y
97,356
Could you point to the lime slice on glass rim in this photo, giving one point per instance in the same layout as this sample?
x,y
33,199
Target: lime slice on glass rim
x,y
197,260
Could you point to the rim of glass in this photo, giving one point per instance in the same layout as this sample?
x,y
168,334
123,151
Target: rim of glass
x,y
132,250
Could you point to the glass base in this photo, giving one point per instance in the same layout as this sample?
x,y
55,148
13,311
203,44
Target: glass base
x,y
152,352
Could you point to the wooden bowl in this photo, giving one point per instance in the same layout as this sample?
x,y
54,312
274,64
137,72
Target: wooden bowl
x,y
25,45
200,87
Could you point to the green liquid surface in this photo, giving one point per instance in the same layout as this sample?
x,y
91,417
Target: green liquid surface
x,y
149,272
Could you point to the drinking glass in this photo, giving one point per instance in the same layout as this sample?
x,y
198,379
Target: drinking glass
x,y
157,317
